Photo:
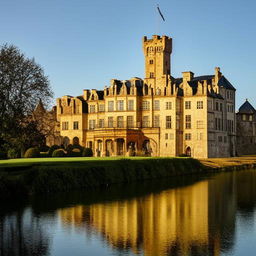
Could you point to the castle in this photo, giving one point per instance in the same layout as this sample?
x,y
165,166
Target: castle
x,y
158,116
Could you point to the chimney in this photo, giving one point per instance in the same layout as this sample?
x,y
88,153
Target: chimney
x,y
86,94
187,76
217,75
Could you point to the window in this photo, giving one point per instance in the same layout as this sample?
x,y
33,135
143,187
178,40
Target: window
x,y
217,106
199,105
171,136
130,104
250,117
166,136
92,124
188,121
151,61
200,124
156,121
120,121
220,138
168,105
200,136
92,108
75,125
110,122
101,107
168,122
64,125
120,105
156,105
209,105
145,121
111,105
244,117
187,104
158,91
129,121
187,136
151,75
221,107
101,123
145,105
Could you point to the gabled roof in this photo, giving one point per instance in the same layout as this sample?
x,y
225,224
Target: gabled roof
x,y
202,78
100,94
246,108
40,107
223,82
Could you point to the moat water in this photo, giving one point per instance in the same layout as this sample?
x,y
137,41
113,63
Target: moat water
x,y
214,215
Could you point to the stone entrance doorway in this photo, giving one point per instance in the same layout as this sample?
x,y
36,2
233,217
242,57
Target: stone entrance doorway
x,y
109,147
120,147
188,151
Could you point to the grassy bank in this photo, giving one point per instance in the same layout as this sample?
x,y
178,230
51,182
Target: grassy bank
x,y
26,176
47,175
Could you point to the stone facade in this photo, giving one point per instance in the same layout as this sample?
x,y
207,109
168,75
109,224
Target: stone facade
x,y
158,116
246,129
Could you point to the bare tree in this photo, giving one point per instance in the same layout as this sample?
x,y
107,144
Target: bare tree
x,y
22,84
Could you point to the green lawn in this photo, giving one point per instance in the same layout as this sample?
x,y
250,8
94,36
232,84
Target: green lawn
x,y
65,160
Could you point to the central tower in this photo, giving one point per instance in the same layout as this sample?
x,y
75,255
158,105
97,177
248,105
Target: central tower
x,y
157,52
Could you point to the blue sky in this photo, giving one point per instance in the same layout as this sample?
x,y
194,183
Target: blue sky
x,y
83,44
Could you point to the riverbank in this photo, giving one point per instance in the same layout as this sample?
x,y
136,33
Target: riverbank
x,y
22,177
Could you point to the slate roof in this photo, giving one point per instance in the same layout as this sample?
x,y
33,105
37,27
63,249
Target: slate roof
x,y
40,107
100,94
246,108
223,82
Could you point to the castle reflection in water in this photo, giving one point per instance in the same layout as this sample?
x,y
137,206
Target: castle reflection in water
x,y
195,220
199,219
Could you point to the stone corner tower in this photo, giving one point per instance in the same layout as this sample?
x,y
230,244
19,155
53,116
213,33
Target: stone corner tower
x,y
157,52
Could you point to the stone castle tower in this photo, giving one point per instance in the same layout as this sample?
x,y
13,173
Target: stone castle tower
x,y
157,52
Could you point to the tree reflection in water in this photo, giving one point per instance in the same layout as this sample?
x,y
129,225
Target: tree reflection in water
x,y
21,233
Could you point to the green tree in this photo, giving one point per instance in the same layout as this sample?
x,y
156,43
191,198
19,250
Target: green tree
x,y
22,84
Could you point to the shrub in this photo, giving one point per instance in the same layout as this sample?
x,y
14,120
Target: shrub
x,y
69,149
32,153
52,148
3,155
183,155
58,153
44,154
76,152
13,153
87,152
140,153
44,148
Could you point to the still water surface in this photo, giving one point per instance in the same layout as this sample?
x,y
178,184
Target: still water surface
x,y
189,216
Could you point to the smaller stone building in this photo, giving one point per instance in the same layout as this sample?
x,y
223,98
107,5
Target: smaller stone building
x,y
47,124
246,129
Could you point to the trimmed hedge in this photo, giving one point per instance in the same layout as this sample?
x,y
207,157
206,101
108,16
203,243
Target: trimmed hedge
x,y
68,176
3,155
87,152
59,153
52,148
13,153
76,152
32,153
44,154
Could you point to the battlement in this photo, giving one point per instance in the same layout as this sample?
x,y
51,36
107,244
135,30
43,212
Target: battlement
x,y
156,38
